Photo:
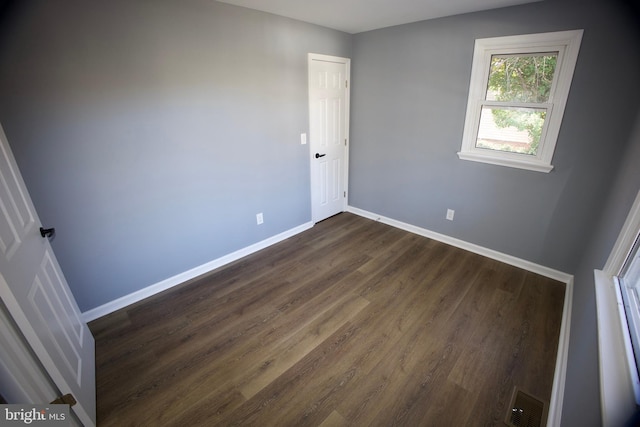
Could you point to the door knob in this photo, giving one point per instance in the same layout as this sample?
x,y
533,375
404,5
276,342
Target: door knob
x,y
319,155
47,232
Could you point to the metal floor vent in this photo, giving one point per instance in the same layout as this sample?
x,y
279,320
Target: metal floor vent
x,y
526,410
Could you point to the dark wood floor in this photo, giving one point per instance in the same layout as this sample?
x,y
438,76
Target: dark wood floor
x,y
352,322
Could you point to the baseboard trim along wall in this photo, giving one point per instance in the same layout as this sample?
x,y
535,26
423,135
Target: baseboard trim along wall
x,y
180,278
560,375
557,392
471,247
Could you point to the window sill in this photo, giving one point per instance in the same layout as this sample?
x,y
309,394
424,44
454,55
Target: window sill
x,y
617,395
528,164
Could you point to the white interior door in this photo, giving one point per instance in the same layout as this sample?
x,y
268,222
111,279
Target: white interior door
x,y
329,132
36,294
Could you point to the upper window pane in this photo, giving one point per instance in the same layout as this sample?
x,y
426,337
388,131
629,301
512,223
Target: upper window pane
x,y
521,78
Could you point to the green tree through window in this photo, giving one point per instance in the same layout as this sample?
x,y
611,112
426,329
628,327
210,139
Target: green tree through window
x,y
521,79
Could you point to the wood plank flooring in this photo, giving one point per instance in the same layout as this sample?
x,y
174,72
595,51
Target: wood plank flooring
x,y
351,323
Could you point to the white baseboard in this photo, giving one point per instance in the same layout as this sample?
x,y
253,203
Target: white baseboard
x,y
141,294
471,247
554,416
560,373
557,393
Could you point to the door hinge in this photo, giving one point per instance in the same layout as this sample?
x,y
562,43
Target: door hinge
x,y
67,399
346,83
345,142
345,194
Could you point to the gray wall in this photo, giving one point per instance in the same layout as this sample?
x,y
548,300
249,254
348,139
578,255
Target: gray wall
x,y
151,132
410,86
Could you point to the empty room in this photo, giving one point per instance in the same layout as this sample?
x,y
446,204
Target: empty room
x,y
323,213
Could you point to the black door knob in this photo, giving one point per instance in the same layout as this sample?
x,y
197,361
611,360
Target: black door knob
x,y
319,155
47,232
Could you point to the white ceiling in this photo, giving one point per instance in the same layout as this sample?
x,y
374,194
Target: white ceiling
x,y
355,16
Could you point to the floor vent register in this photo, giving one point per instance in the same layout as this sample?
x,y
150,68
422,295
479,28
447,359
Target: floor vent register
x,y
526,410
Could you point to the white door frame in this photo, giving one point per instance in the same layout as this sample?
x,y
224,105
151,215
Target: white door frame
x,y
345,178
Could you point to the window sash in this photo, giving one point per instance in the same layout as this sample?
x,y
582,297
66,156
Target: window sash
x,y
508,104
489,134
538,157
629,282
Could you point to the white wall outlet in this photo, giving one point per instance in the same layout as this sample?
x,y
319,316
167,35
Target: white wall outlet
x,y
259,218
450,213
303,138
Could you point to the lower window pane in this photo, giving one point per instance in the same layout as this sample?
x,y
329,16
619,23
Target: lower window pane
x,y
514,130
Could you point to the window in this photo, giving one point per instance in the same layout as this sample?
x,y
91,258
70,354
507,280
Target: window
x,y
629,282
617,328
517,94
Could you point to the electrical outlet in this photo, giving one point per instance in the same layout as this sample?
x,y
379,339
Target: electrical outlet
x,y
259,218
450,213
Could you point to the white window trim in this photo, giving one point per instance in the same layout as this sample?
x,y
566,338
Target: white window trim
x,y
567,44
619,383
